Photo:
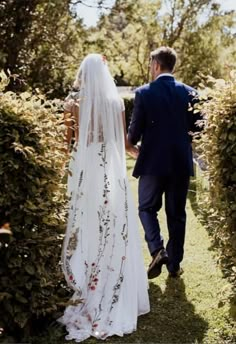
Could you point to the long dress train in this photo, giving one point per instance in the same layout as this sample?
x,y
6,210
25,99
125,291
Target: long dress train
x,y
102,258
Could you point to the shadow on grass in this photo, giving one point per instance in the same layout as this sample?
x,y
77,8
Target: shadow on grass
x,y
172,318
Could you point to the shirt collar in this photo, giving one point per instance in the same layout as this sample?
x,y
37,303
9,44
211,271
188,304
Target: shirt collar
x,y
164,74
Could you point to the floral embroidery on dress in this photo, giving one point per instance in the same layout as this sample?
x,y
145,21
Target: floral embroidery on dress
x,y
124,234
104,219
103,258
73,239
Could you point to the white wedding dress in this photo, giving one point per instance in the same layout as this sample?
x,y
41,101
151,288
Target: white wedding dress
x,y
102,258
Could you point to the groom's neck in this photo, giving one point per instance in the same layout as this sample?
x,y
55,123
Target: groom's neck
x,y
164,72
160,73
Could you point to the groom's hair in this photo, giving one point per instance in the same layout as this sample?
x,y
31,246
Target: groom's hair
x,y
166,57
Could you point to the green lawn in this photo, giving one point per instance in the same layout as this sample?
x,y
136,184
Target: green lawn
x,y
186,310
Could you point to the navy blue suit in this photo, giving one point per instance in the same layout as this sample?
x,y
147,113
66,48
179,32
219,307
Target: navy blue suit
x,y
162,121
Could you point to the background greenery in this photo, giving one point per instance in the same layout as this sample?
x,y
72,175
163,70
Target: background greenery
x,y
32,199
217,205
44,41
41,46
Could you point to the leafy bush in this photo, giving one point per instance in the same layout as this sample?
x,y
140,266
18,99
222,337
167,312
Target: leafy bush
x,y
32,200
218,144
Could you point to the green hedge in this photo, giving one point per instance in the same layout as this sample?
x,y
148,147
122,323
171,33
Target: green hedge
x,y
218,146
32,200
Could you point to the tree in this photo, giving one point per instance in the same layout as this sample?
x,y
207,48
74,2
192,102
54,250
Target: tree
x,y
206,47
127,35
133,29
44,42
37,40
181,15
52,47
16,19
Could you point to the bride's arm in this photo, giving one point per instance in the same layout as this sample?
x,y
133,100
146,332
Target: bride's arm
x,y
75,116
68,122
130,149
71,121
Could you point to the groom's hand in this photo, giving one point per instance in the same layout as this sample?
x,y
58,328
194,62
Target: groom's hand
x,y
132,150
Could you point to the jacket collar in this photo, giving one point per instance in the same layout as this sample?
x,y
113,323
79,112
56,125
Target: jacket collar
x,y
164,76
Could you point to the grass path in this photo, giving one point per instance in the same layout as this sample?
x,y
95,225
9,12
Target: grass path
x,y
185,310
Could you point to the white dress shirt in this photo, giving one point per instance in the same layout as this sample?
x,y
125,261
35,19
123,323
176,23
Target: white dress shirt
x,y
164,74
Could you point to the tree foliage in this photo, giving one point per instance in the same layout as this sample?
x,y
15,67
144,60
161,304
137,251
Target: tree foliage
x,y
44,41
37,43
199,30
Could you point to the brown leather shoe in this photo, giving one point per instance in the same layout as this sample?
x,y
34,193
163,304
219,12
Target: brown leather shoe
x,y
155,267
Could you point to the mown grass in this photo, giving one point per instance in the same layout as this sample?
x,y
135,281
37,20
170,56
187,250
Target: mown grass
x,y
186,310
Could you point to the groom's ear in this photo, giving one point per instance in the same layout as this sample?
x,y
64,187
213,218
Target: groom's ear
x,y
157,66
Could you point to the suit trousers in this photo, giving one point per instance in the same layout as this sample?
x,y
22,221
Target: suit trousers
x,y
175,189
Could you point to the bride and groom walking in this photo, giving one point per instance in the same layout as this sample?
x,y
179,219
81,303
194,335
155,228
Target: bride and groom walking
x,y
102,259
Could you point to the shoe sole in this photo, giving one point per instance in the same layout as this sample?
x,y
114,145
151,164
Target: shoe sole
x,y
155,271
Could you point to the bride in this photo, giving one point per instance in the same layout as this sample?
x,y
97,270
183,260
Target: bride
x,y
102,259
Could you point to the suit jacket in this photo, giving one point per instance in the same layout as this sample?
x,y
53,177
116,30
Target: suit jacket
x,y
162,121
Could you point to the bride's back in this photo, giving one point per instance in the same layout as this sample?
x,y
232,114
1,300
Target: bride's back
x,y
100,117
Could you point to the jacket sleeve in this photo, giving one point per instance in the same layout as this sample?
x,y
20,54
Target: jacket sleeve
x,y
136,126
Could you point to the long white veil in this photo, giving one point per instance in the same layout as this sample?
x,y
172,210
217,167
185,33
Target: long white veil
x,y
101,256
100,104
100,147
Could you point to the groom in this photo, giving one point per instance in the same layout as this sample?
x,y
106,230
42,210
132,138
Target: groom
x,y
162,121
